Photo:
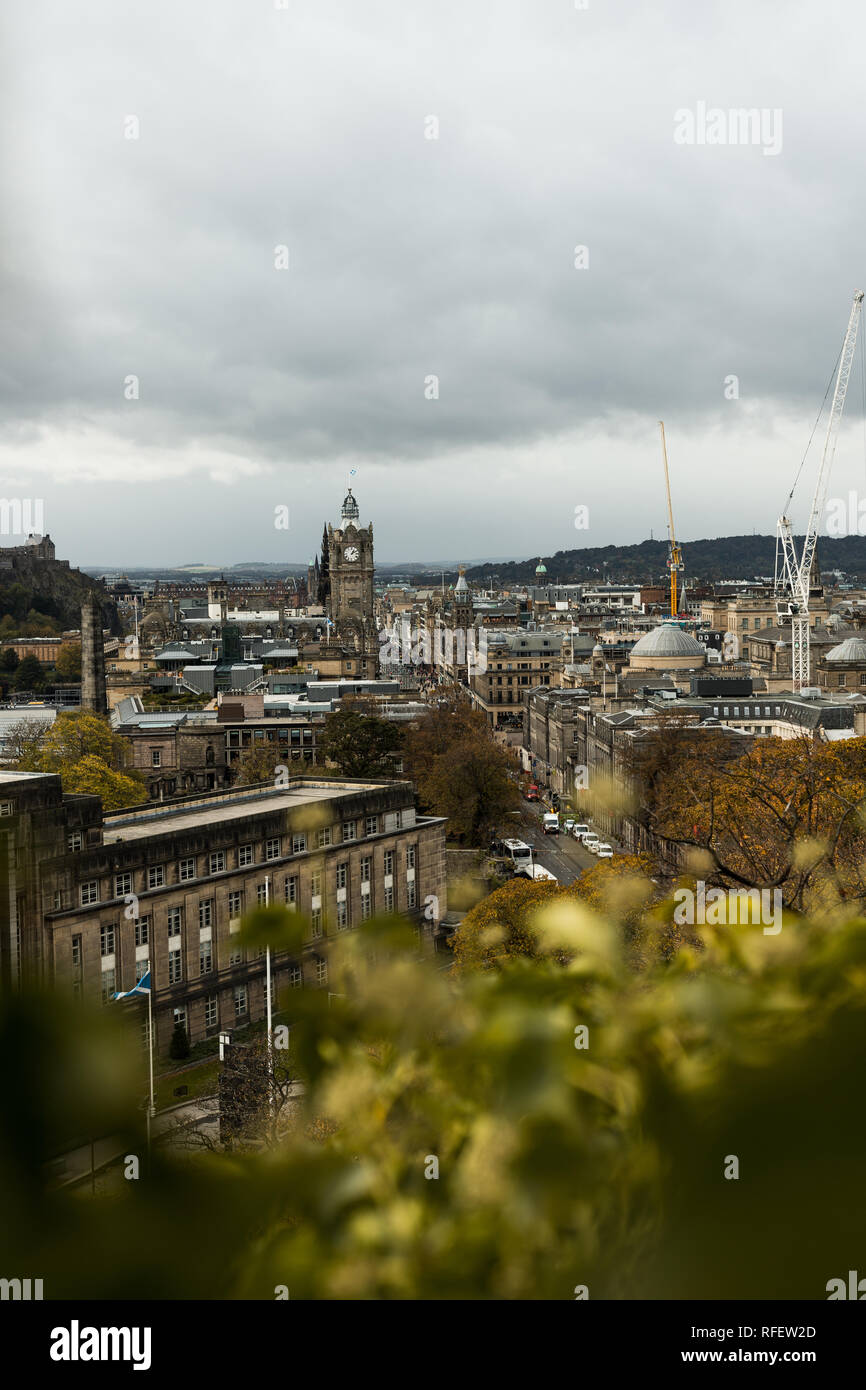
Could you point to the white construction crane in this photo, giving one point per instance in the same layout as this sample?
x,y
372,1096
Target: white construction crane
x,y
793,574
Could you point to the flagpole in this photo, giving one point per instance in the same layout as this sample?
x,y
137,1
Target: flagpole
x,y
150,1061
268,1002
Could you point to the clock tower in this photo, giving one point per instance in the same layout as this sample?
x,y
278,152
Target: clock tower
x,y
350,604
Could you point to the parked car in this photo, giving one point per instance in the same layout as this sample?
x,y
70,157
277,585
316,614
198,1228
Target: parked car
x,y
569,825
603,851
579,829
591,841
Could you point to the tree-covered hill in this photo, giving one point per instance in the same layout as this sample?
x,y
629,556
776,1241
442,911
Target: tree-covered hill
x,y
724,557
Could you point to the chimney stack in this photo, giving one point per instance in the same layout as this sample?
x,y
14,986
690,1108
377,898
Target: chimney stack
x,y
93,696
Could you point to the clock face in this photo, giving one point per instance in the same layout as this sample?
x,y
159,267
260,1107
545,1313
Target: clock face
x,y
351,553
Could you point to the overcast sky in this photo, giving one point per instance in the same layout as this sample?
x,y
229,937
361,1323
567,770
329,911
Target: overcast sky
x,y
410,258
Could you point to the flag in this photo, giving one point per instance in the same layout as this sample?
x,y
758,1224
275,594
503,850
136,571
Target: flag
x,y
143,987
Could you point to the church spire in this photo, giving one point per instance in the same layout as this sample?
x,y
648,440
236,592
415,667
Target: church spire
x,y
324,592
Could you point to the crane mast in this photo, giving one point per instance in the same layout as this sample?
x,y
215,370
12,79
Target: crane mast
x,y
793,574
675,558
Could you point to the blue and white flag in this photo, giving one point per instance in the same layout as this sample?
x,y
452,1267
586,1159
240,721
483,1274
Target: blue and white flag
x,y
143,987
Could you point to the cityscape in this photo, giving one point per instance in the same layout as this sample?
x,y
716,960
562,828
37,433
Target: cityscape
x,y
461,900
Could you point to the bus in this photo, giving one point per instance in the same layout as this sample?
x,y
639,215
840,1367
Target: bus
x,y
517,853
539,874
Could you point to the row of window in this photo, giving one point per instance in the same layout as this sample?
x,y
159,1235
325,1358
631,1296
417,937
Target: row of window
x,y
143,928
748,711
241,738
217,860
240,1001
522,666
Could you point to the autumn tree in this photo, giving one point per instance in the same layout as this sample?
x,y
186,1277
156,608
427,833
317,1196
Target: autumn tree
x,y
67,667
505,925
787,813
471,784
359,745
93,776
459,771
29,674
80,733
24,742
89,756
259,763
671,741
448,722
501,927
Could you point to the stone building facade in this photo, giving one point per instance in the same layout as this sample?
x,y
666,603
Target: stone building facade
x,y
515,662
555,735
89,903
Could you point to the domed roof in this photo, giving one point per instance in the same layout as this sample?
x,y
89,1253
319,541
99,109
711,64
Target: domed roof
x,y
598,649
540,568
461,587
852,649
667,640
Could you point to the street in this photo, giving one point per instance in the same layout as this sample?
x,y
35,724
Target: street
x,y
561,854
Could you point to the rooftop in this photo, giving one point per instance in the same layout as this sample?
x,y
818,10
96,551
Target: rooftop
x,y
668,639
135,825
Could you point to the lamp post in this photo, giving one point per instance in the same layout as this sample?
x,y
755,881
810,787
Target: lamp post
x,y
268,1002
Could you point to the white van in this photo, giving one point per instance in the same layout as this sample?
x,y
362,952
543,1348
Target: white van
x,y
578,830
590,840
550,823
604,851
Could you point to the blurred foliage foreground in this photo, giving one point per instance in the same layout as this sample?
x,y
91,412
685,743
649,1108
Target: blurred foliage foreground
x,y
559,1165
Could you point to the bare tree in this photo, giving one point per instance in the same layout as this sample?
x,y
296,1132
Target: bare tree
x,y
253,1107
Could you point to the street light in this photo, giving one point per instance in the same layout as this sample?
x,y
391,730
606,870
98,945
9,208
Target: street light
x,y
268,1001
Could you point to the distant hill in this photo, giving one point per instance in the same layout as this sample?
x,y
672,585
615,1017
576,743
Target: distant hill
x,y
725,557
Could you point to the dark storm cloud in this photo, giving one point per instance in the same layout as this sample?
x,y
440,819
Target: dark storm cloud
x,y
410,257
